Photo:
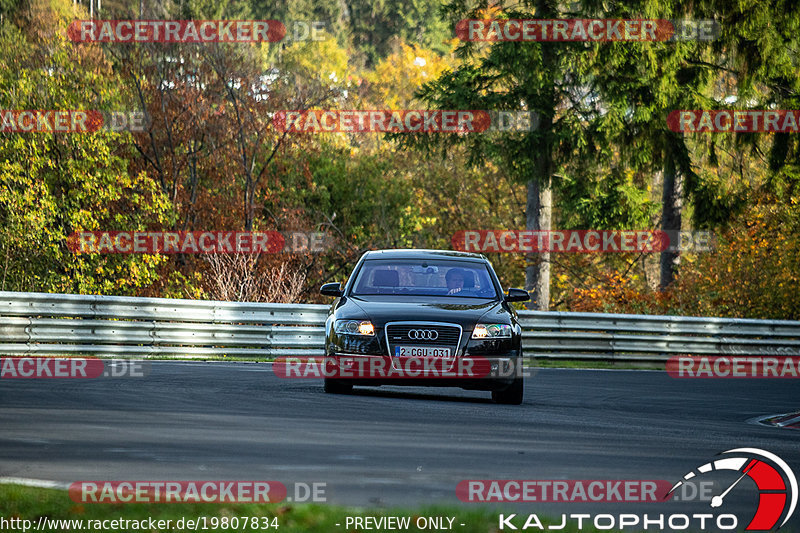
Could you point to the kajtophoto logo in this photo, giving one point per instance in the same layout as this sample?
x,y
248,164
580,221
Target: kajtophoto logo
x,y
776,483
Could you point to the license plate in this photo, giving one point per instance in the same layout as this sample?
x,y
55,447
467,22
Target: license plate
x,y
421,351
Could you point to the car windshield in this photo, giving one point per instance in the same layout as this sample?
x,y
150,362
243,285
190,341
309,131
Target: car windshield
x,y
456,279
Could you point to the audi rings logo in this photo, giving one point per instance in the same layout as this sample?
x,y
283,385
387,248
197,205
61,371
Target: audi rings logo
x,y
423,334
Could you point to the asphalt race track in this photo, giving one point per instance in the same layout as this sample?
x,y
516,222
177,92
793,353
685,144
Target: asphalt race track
x,y
388,446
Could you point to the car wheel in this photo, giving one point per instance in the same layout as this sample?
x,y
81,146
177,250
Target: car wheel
x,y
512,395
337,386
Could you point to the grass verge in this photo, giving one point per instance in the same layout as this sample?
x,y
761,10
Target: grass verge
x,y
27,503
593,364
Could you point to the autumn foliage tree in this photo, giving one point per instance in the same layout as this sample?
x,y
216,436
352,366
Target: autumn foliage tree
x,y
54,184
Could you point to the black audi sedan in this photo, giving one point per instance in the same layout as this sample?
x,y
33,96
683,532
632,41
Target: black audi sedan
x,y
425,318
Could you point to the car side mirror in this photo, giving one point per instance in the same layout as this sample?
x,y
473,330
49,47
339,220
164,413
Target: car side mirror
x,y
517,295
331,289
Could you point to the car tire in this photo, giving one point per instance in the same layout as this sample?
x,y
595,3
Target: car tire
x,y
512,395
337,386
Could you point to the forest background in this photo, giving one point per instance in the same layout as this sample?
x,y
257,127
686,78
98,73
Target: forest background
x,y
212,159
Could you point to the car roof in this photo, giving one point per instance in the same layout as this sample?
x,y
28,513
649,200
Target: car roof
x,y
417,253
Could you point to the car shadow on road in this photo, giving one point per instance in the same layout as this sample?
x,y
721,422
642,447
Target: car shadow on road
x,y
394,393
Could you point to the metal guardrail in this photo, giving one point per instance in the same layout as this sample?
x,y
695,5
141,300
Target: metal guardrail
x,y
50,324
47,324
653,337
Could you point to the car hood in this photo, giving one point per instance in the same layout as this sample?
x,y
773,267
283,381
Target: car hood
x,y
383,309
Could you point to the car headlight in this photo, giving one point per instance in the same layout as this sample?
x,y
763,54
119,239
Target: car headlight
x,y
354,327
491,331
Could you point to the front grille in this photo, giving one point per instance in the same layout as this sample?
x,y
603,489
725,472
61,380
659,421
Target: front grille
x,y
447,335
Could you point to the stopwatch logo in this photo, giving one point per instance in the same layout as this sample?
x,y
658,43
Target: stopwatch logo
x,y
777,484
